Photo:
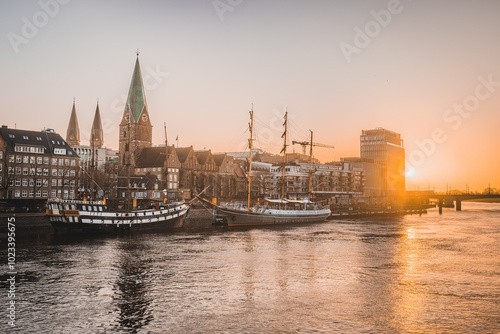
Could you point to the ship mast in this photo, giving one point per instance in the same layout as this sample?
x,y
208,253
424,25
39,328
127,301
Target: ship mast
x,y
283,150
127,201
250,147
92,165
166,154
310,165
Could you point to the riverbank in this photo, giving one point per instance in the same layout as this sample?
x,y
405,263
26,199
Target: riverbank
x,y
38,223
197,219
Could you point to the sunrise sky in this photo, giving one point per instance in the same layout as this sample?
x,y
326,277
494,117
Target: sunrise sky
x,y
428,70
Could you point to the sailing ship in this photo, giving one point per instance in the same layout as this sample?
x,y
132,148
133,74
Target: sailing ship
x,y
274,211
94,215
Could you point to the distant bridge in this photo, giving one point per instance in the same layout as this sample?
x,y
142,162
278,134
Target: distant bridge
x,y
458,198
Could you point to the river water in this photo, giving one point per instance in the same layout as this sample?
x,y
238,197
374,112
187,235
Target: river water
x,y
429,273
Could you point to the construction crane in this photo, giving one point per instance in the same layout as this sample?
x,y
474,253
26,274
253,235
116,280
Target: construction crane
x,y
304,145
310,144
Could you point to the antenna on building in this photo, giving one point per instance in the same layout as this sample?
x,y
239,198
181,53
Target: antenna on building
x,y
137,52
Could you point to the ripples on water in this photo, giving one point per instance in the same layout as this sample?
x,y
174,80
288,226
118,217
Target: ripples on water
x,y
414,274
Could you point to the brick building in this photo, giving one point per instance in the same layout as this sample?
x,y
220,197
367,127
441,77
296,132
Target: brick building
x,y
36,165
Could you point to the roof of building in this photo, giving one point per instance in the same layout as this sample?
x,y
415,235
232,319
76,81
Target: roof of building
x,y
238,171
153,157
49,140
219,158
203,156
136,100
183,152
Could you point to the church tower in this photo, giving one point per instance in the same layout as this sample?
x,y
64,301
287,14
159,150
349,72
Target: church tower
x,y
136,131
73,132
96,134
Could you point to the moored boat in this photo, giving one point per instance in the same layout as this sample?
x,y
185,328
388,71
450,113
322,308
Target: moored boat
x,y
73,215
274,211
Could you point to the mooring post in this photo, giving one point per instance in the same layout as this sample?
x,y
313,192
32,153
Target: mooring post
x,y
440,205
458,205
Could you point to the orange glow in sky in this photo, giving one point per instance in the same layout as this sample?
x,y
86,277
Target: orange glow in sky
x,y
428,70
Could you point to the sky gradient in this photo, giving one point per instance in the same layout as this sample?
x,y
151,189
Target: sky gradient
x,y
205,62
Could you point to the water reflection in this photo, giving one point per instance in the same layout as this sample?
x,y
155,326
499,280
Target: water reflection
x,y
435,273
132,285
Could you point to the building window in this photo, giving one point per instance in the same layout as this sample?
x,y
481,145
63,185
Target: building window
x,y
72,172
38,193
1,154
24,193
18,182
73,162
53,194
25,182
46,160
45,172
32,160
54,182
32,182
25,171
17,193
54,161
19,159
38,182
39,160
45,193
31,193
54,172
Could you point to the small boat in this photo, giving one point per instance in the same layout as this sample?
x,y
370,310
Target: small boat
x,y
73,215
274,211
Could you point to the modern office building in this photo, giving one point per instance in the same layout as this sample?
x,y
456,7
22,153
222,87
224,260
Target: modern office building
x,y
386,148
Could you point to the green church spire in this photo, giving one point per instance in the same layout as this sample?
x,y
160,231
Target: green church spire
x,y
136,100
